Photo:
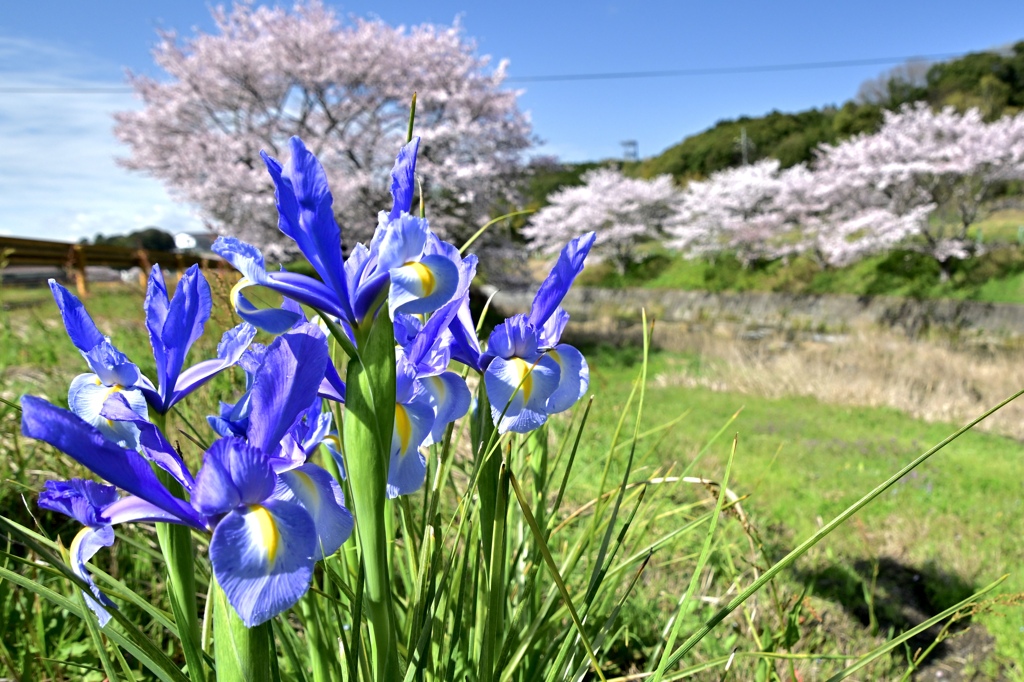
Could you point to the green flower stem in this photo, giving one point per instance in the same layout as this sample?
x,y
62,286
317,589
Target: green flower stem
x,y
366,435
242,654
493,627
320,650
179,554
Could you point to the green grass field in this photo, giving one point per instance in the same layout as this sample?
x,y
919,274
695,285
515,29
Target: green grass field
x,y
953,520
949,528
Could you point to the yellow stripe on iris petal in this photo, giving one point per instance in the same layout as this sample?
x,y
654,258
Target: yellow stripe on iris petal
x,y
426,278
266,530
237,289
524,376
403,425
79,536
311,499
439,387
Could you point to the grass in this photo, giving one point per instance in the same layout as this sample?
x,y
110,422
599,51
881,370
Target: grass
x,y
954,523
801,461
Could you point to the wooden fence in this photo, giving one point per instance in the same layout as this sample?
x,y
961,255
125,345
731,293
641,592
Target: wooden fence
x,y
75,257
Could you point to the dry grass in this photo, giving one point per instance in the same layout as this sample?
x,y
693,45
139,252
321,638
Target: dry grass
x,y
928,380
933,380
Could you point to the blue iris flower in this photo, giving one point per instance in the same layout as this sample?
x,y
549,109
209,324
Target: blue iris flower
x,y
174,324
233,419
271,513
399,262
428,396
112,372
528,373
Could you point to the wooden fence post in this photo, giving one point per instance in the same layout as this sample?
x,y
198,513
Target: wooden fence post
x,y
77,258
144,267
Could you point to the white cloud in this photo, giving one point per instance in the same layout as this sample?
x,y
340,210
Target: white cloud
x,y
57,151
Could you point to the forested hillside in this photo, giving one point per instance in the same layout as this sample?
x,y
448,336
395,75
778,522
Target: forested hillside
x,y
991,81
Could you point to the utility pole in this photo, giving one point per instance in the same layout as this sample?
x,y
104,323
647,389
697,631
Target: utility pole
x,y
630,150
745,145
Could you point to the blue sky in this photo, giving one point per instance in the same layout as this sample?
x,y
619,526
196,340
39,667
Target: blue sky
x,y
58,179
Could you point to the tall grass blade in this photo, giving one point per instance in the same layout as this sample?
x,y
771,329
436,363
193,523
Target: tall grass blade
x,y
866,660
698,569
524,505
97,640
476,235
824,531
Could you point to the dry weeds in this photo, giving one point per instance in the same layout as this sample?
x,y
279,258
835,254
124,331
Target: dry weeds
x,y
930,380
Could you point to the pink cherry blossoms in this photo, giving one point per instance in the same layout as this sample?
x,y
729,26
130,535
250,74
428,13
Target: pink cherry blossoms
x,y
624,213
268,74
918,183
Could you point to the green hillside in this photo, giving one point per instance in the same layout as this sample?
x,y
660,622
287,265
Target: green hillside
x,y
990,81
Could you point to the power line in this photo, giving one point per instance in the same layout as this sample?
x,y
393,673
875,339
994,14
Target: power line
x,y
614,75
727,70
82,90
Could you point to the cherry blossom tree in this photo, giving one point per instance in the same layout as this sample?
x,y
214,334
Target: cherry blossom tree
x,y
920,182
930,172
736,210
345,88
624,212
837,219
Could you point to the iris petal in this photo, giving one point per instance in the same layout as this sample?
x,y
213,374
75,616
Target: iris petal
x,y
321,496
152,443
248,260
450,398
403,179
401,240
124,468
332,387
465,345
423,286
262,557
245,258
79,325
174,325
87,542
83,500
523,387
111,365
286,384
86,397
271,320
574,378
556,285
304,204
232,345
234,473
408,468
